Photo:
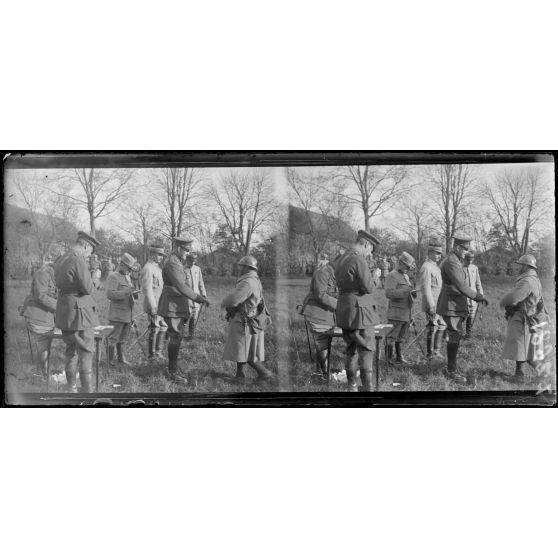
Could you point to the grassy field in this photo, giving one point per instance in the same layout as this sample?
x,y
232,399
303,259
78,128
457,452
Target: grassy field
x,y
286,348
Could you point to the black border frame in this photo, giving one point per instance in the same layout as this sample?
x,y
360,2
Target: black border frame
x,y
20,159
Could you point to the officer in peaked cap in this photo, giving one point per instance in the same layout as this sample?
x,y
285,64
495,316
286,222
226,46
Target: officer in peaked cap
x,y
452,303
194,278
76,310
430,283
174,304
473,280
355,311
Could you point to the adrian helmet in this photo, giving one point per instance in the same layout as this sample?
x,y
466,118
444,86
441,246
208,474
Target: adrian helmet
x,y
527,259
249,261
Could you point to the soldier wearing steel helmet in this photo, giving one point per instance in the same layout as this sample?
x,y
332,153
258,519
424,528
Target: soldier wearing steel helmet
x,y
247,316
452,302
522,305
174,304
355,309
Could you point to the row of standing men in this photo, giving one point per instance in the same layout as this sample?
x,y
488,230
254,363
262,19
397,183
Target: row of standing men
x,y
445,304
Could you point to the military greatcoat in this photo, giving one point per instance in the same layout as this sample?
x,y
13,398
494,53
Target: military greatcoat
x,y
398,291
526,295
40,304
321,302
455,291
355,309
242,345
176,295
119,291
75,309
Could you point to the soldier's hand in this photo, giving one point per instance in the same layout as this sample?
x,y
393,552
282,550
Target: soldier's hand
x,y
480,298
202,300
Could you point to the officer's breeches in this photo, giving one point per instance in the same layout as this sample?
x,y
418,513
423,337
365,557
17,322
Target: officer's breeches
x,y
120,332
79,348
355,351
454,327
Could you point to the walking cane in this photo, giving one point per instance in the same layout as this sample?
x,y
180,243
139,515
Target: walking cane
x,y
417,335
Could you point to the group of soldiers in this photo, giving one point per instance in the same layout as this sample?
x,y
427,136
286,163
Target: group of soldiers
x,y
340,295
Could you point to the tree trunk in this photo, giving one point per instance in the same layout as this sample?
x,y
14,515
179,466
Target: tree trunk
x,y
92,224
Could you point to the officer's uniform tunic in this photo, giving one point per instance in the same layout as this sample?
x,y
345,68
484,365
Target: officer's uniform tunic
x,y
119,291
398,292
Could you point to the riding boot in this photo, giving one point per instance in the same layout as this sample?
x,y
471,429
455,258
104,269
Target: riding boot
x,y
438,336
152,342
85,378
519,376
159,338
351,381
120,352
452,372
71,378
399,357
429,341
366,379
321,357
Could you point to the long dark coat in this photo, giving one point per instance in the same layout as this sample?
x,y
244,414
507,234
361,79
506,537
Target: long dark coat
x,y
398,292
119,292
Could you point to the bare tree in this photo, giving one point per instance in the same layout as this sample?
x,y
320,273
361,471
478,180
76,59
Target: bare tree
x,y
98,191
519,201
181,187
245,201
453,187
326,210
373,189
415,221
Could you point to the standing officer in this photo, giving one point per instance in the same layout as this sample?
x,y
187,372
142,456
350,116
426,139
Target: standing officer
x,y
430,284
319,308
355,310
151,287
474,282
452,303
384,266
248,318
194,279
400,294
39,307
75,310
122,294
174,304
522,305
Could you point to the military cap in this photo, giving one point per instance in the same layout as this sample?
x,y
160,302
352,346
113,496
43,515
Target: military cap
x,y
89,238
157,250
407,259
462,241
182,241
435,246
129,261
369,237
